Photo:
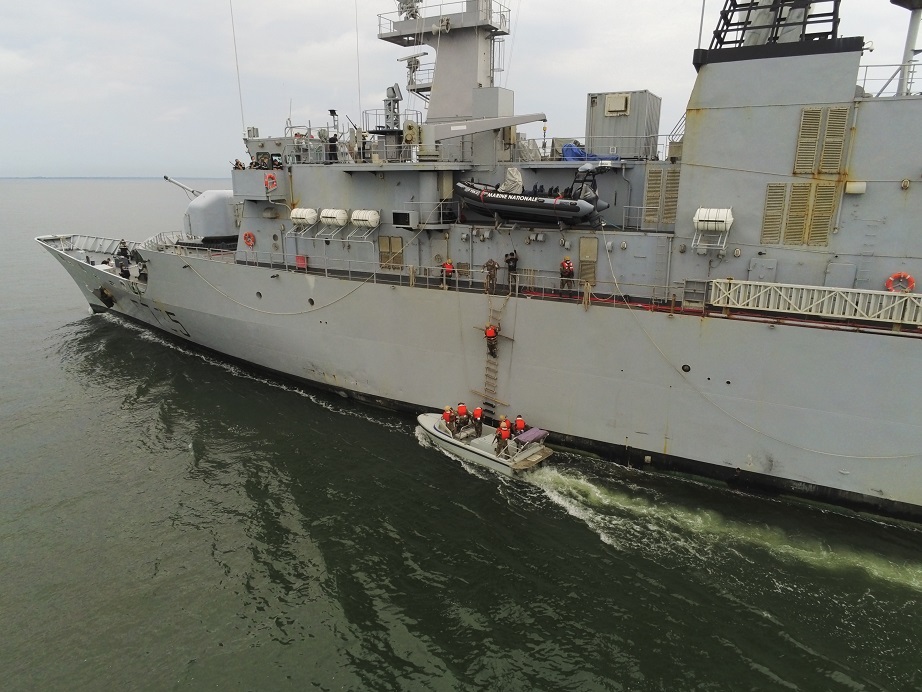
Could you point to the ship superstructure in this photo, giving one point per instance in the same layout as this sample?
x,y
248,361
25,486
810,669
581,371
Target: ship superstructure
x,y
742,298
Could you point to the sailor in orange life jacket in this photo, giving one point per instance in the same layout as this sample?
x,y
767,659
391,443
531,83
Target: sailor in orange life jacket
x,y
518,426
448,270
448,416
478,421
503,433
462,415
489,333
566,273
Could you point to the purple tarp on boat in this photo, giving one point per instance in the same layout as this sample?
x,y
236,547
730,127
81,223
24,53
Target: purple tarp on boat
x,y
531,435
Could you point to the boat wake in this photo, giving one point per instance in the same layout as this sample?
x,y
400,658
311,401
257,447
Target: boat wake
x,y
635,516
631,517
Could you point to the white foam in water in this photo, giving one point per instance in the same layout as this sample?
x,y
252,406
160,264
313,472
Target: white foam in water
x,y
625,519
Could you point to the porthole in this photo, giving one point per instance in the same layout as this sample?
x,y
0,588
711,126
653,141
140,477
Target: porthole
x,y
259,294
310,301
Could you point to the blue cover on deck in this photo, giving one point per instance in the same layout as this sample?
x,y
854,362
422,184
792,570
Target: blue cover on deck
x,y
571,152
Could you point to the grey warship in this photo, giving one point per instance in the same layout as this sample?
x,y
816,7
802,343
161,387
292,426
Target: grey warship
x,y
742,302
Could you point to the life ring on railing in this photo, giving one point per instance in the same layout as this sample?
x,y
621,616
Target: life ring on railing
x,y
271,182
249,239
901,282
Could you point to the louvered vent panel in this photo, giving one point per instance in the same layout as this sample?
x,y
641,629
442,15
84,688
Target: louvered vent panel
x,y
671,200
396,252
795,224
653,194
834,140
824,207
390,251
384,251
773,214
808,140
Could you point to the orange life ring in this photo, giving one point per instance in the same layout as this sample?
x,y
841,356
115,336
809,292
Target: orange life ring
x,y
271,182
900,282
249,239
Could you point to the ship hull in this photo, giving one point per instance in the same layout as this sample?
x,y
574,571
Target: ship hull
x,y
703,394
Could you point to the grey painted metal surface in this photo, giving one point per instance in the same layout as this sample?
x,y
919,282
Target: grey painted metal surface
x,y
775,353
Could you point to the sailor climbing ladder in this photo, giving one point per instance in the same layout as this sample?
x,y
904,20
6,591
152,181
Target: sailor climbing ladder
x,y
490,393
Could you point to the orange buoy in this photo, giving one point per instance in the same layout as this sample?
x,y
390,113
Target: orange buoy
x,y
900,282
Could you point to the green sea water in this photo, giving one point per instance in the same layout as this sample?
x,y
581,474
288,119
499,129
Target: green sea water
x,y
170,521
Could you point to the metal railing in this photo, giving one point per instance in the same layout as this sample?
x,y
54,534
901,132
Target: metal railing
x,y
883,80
490,11
651,147
87,243
162,240
804,302
531,283
638,219
818,301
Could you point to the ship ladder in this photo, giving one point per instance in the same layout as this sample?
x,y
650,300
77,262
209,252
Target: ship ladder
x,y
496,313
491,365
491,387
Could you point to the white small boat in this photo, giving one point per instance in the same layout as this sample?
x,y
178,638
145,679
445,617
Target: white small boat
x,y
525,452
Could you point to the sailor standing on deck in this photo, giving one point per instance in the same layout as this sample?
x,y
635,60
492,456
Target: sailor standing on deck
x,y
502,435
448,270
566,273
478,421
512,263
518,425
491,268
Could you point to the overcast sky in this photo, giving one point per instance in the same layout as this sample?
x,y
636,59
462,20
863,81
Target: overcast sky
x,y
149,87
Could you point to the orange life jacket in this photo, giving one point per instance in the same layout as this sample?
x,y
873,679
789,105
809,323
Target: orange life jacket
x,y
519,424
504,433
462,410
478,413
490,332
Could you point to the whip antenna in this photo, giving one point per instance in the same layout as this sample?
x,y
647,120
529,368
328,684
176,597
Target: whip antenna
x,y
243,124
358,58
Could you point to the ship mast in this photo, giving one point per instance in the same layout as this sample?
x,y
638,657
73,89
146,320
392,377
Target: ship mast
x,y
909,51
463,36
